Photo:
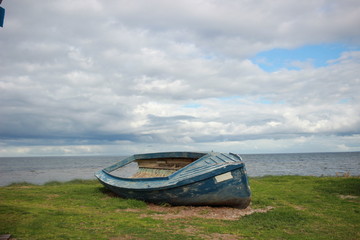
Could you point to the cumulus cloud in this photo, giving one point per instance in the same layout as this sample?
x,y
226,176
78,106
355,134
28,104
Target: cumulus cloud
x,y
129,76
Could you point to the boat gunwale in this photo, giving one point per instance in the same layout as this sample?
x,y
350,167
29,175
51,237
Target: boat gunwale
x,y
185,181
136,157
178,172
150,156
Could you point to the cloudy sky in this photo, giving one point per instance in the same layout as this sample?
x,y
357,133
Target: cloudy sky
x,y
122,77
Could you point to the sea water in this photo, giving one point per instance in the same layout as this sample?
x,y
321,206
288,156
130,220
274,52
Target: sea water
x,y
39,170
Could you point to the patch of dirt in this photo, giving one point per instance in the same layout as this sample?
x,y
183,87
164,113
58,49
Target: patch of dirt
x,y
183,213
222,213
297,207
23,187
348,197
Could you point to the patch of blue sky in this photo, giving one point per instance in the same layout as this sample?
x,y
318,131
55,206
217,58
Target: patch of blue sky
x,y
230,98
266,101
294,59
344,101
192,105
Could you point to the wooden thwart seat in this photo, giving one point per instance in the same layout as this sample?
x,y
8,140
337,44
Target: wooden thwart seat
x,y
160,167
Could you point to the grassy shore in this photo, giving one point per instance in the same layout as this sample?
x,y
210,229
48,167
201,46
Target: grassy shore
x,y
283,207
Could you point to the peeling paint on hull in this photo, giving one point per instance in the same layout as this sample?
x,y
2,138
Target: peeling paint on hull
x,y
210,180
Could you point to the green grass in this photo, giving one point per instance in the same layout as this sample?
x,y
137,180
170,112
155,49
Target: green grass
x,y
304,208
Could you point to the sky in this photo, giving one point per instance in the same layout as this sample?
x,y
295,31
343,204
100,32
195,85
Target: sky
x,y
123,77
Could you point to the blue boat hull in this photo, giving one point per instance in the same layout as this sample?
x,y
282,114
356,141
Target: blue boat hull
x,y
225,186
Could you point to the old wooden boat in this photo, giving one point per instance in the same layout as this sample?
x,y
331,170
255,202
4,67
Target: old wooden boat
x,y
182,178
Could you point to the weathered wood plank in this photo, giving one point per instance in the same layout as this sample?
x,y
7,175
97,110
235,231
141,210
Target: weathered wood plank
x,y
150,172
165,163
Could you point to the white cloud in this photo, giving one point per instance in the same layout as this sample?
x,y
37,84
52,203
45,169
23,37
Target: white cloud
x,y
93,77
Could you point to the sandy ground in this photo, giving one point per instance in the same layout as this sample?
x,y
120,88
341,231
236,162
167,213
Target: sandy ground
x,y
186,212
176,212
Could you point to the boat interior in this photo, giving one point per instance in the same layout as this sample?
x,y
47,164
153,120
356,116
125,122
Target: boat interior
x,y
160,167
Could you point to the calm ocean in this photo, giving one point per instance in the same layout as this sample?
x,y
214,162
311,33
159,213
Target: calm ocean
x,y
39,170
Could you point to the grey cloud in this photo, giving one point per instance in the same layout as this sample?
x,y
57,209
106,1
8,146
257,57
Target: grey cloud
x,y
97,73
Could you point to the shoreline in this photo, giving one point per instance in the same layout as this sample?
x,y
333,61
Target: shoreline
x,y
80,180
